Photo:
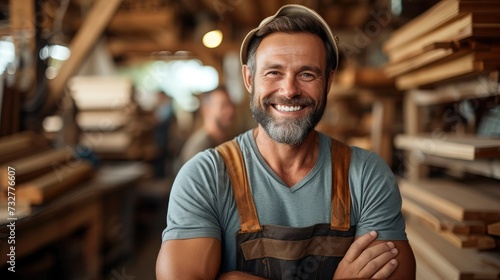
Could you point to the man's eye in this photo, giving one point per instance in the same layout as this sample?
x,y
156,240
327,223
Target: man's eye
x,y
307,76
272,73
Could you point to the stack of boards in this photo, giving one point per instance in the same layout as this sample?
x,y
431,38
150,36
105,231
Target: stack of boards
x,y
452,40
110,119
454,226
36,172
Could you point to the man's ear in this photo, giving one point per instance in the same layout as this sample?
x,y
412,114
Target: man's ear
x,y
330,80
247,77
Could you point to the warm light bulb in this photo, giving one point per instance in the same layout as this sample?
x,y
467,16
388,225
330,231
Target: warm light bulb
x,y
212,39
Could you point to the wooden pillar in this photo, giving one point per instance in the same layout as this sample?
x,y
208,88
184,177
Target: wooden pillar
x,y
23,31
381,134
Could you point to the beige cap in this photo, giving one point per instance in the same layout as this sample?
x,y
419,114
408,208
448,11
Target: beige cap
x,y
286,11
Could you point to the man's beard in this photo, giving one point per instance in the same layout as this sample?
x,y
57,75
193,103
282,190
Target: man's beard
x,y
288,131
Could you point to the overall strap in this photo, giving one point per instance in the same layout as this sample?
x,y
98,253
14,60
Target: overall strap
x,y
235,166
341,196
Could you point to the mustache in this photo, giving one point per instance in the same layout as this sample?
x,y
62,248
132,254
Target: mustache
x,y
294,101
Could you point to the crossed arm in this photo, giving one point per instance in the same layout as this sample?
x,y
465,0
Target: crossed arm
x,y
367,258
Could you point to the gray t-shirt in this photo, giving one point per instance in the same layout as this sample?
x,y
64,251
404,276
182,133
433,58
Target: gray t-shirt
x,y
202,204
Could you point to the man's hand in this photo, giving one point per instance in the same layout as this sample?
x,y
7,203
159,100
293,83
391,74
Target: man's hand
x,y
363,261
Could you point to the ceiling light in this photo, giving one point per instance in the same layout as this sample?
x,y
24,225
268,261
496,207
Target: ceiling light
x,y
212,39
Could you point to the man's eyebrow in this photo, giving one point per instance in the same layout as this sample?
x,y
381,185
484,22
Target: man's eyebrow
x,y
311,68
272,66
303,68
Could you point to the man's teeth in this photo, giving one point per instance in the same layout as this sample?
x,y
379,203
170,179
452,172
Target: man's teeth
x,y
287,108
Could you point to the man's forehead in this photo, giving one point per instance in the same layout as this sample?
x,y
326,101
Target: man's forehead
x,y
297,44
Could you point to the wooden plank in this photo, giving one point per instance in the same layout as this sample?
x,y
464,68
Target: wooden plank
x,y
432,57
456,200
109,142
466,234
480,242
440,222
19,145
35,165
103,121
397,68
101,93
476,88
16,142
424,270
49,186
84,40
464,147
485,167
438,15
494,229
440,72
151,20
463,27
446,260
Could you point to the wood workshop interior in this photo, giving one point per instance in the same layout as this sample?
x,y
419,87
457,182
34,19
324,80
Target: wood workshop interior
x,y
87,162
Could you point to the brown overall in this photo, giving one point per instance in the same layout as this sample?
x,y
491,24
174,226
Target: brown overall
x,y
279,252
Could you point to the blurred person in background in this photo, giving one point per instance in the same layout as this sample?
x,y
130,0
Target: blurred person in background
x,y
217,115
163,117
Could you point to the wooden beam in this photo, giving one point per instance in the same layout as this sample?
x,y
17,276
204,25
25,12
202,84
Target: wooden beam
x,y
86,37
382,127
440,222
52,184
137,21
242,11
142,20
459,201
22,19
23,31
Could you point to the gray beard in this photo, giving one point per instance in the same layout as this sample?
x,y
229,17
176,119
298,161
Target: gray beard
x,y
289,131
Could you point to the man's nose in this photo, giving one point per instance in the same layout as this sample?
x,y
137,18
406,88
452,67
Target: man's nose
x,y
289,86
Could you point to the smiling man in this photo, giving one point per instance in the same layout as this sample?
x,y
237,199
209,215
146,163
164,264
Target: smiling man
x,y
284,201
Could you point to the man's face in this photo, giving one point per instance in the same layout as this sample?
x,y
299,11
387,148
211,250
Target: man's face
x,y
289,89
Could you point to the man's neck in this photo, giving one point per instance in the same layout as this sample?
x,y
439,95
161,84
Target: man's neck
x,y
290,163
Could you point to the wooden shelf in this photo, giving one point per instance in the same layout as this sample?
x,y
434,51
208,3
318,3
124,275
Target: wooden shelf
x,y
473,202
466,147
484,167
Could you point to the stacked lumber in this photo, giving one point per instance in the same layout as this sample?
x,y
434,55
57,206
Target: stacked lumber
x,y
111,123
40,172
438,259
459,213
21,144
452,40
459,154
